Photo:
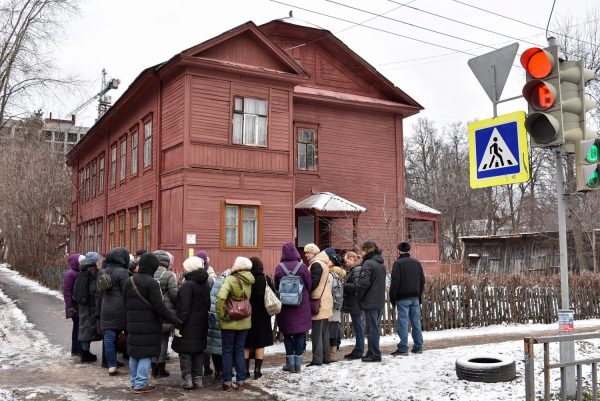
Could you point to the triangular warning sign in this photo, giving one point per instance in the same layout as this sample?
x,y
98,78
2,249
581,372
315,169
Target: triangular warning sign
x,y
497,154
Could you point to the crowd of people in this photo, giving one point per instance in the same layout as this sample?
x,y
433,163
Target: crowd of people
x,y
135,304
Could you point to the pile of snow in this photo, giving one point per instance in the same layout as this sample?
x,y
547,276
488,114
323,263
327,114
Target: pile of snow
x,y
429,376
28,283
20,343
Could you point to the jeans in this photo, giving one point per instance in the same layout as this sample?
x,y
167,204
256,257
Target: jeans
x,y
74,335
373,317
320,342
138,371
409,308
233,342
110,348
191,365
294,343
358,325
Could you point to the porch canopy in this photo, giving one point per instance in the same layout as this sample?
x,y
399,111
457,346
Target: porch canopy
x,y
316,218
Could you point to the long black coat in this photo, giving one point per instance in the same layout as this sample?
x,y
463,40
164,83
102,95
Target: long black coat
x,y
143,321
193,304
112,310
260,334
88,327
350,304
371,282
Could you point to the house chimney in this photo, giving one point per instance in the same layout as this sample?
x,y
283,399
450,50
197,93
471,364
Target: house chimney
x,y
73,119
50,118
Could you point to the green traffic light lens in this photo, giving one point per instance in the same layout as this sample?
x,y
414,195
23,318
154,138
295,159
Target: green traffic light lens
x,y
594,180
592,156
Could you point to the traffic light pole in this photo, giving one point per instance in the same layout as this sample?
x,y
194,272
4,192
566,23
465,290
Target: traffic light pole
x,y
567,348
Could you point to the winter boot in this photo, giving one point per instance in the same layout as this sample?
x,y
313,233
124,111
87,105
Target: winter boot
x,y
187,383
289,365
333,353
247,368
197,381
87,356
161,371
257,367
297,363
154,369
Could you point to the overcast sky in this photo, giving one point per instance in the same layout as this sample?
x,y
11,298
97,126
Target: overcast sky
x,y
127,36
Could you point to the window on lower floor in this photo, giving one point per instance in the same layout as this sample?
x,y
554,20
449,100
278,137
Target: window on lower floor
x,y
241,225
111,232
133,222
99,243
122,230
146,228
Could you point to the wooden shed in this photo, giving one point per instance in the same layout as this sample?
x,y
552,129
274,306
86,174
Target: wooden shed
x,y
214,149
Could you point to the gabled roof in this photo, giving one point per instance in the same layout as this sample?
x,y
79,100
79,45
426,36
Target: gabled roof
x,y
328,202
419,207
329,41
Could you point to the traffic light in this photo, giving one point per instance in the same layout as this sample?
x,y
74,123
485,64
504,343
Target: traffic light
x,y
542,93
587,155
555,93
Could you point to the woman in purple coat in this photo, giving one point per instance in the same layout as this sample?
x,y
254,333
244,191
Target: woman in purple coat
x,y
70,305
294,321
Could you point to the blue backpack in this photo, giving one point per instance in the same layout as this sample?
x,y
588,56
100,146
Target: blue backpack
x,y
291,286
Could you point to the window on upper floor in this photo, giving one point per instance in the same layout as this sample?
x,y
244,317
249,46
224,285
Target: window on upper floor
x,y
307,149
94,178
123,162
241,225
148,144
134,152
250,121
113,165
101,174
81,185
87,182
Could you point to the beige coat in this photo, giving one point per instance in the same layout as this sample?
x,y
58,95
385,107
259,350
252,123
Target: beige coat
x,y
324,287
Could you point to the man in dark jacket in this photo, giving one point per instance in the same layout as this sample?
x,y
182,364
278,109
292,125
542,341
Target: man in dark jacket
x,y
113,317
145,308
371,296
406,288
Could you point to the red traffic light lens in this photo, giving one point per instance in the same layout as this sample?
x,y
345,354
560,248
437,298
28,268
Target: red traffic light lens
x,y
537,62
539,94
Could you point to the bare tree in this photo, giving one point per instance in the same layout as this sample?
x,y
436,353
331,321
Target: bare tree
x,y
28,29
35,194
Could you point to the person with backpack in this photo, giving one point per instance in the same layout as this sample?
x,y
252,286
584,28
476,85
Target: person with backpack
x,y
193,304
113,316
236,287
84,293
293,282
145,309
350,305
70,305
168,289
260,334
336,277
212,277
214,345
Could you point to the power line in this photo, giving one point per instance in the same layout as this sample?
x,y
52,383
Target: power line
x,y
461,22
521,22
550,17
375,29
411,24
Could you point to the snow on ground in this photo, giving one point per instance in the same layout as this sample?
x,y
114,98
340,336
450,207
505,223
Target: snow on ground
x,y
429,376
28,283
20,343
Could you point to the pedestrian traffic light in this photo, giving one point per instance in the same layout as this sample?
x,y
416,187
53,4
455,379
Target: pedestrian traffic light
x,y
542,93
587,154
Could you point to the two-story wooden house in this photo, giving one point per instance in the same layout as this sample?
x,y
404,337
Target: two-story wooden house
x,y
256,137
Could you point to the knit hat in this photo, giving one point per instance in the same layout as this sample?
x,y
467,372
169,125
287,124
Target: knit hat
x,y
331,253
404,247
242,263
94,256
148,263
163,258
311,248
204,256
80,258
193,263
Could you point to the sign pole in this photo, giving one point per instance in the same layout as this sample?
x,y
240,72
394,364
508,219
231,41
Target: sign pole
x,y
567,348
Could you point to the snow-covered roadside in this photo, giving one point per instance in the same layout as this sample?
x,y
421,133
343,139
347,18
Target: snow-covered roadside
x,y
430,376
28,283
20,343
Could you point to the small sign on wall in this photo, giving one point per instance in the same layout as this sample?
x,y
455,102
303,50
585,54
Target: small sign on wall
x,y
565,321
190,239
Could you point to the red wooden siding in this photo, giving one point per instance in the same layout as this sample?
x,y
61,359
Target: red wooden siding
x,y
173,113
279,120
238,158
172,158
245,49
171,215
210,110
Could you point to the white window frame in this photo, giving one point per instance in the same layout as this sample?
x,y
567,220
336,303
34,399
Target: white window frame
x,y
247,126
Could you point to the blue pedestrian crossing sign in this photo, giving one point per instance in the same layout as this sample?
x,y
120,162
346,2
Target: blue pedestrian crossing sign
x,y
498,151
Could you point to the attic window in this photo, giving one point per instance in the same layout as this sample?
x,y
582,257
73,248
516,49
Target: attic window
x,y
250,121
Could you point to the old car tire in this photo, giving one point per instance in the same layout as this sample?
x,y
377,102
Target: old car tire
x,y
488,368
